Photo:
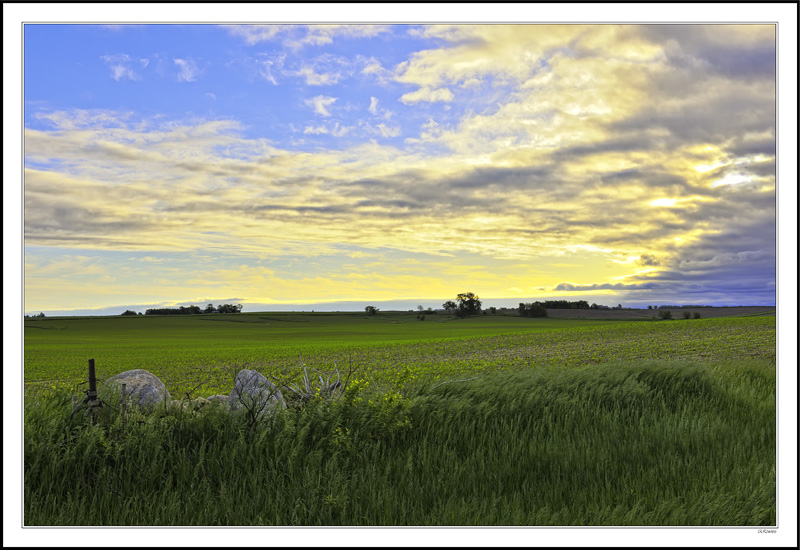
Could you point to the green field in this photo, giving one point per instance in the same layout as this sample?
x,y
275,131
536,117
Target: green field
x,y
207,351
479,421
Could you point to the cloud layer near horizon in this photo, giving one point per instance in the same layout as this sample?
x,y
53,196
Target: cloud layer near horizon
x,y
630,163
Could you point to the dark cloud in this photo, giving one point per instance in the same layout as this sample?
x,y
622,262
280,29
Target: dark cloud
x,y
714,49
612,145
647,259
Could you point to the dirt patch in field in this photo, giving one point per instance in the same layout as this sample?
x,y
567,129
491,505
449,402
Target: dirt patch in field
x,y
677,313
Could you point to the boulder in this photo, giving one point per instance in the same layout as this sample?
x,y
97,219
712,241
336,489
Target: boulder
x,y
218,398
253,392
195,404
141,386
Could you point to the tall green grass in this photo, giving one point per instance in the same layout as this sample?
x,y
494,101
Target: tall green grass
x,y
659,443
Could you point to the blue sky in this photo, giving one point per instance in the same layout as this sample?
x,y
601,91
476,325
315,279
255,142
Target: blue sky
x,y
283,166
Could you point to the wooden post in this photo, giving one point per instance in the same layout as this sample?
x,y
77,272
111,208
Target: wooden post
x,y
91,394
124,406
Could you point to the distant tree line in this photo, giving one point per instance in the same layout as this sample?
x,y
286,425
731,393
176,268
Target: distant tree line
x,y
193,310
565,304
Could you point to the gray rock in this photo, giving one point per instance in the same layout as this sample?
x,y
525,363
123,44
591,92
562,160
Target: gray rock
x,y
141,386
253,392
194,404
219,397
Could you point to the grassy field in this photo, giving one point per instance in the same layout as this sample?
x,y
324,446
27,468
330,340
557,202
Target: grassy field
x,y
480,421
203,353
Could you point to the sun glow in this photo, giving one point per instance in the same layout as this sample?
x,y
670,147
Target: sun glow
x,y
664,202
731,179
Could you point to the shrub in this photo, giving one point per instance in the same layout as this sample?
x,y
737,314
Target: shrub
x,y
696,315
665,314
535,309
687,315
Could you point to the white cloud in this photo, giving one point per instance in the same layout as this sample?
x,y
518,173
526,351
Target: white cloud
x,y
297,36
389,132
314,78
337,130
315,130
253,34
120,65
320,104
427,94
319,35
188,70
373,67
373,105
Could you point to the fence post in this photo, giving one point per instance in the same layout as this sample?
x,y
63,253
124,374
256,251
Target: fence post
x,y
91,394
124,406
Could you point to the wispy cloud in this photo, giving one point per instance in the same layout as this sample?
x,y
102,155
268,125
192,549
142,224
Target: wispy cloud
x,y
335,129
320,104
427,94
187,69
299,36
316,79
121,66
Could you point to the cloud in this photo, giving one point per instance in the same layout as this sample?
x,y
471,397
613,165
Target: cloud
x,y
299,36
428,95
254,34
316,79
647,259
336,130
323,70
373,105
188,70
373,67
320,104
121,66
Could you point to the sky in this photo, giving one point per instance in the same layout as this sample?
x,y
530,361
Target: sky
x,y
296,166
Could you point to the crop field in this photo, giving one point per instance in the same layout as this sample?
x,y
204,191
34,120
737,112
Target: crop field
x,y
203,353
479,421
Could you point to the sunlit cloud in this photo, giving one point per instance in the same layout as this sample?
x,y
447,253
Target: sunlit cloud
x,y
428,95
731,179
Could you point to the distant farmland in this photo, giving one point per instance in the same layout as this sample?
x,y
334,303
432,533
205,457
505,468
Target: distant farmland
x,y
633,314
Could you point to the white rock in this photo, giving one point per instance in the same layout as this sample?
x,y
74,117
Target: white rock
x,y
253,392
141,386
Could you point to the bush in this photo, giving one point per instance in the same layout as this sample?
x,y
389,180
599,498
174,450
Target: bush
x,y
535,309
665,314
687,315
696,315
